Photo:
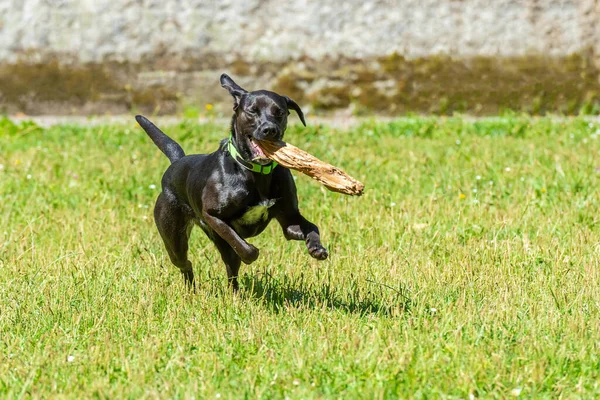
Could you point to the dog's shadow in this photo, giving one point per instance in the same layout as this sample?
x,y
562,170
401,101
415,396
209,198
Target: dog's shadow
x,y
284,292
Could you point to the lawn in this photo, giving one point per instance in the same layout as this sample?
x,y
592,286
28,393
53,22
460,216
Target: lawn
x,y
468,269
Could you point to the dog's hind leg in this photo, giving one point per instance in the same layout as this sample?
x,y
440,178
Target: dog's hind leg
x,y
175,227
231,259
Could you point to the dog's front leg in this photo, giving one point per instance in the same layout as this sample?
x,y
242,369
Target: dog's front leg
x,y
296,227
247,252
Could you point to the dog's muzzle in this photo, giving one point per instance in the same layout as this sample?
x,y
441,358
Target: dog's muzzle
x,y
268,131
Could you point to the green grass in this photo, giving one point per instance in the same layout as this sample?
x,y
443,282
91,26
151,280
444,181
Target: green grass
x,y
470,267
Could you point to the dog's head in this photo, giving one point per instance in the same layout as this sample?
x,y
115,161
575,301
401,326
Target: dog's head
x,y
259,115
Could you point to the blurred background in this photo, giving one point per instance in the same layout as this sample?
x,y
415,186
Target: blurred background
x,y
357,57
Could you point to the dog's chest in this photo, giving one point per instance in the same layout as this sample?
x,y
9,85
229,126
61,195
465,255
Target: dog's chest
x,y
254,215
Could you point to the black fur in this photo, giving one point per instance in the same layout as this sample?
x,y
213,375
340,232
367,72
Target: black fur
x,y
172,150
214,192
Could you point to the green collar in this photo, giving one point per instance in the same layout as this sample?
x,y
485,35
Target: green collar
x,y
249,165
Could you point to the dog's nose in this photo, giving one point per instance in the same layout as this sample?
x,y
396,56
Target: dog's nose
x,y
270,131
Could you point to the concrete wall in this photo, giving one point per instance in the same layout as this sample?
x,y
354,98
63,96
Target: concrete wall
x,y
180,46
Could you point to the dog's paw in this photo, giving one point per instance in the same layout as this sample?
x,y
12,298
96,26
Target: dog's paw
x,y
250,254
318,252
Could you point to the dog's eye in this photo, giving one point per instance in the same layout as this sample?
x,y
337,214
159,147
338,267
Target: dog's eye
x,y
251,111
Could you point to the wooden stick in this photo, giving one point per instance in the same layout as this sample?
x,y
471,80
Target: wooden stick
x,y
333,178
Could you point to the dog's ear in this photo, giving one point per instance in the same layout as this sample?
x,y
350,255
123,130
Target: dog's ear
x,y
233,88
294,106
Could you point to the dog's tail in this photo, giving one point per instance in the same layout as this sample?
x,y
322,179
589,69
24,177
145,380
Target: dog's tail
x,y
162,141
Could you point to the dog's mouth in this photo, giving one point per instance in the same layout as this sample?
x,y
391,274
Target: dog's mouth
x,y
258,154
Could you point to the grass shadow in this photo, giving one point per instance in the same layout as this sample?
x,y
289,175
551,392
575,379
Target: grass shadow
x,y
362,298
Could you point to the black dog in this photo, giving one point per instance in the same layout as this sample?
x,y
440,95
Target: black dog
x,y
233,193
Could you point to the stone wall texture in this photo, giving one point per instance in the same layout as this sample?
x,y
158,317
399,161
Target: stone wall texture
x,y
81,56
